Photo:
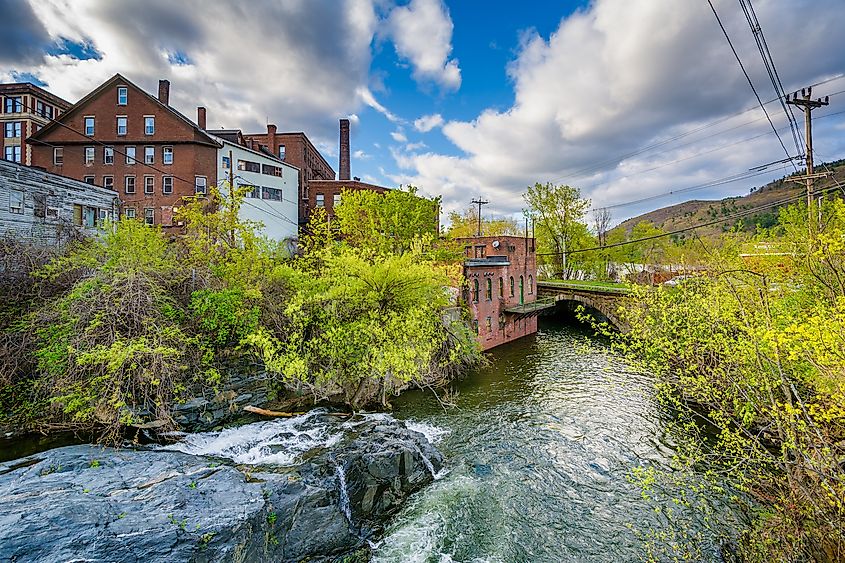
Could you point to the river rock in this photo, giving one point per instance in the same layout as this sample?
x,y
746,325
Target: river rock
x,y
102,504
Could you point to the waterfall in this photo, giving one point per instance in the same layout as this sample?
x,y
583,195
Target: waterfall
x,y
344,496
426,461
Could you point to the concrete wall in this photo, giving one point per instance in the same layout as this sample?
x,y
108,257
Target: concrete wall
x,y
54,208
280,218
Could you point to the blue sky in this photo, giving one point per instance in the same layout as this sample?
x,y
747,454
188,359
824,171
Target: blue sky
x,y
616,97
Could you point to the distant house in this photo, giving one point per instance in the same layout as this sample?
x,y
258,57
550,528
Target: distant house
x,y
273,198
49,209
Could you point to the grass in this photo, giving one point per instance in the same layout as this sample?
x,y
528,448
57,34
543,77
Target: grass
x,y
590,284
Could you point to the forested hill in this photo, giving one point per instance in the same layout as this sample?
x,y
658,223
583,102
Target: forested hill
x,y
695,212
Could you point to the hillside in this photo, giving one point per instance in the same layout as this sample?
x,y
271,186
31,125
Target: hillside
x,y
695,212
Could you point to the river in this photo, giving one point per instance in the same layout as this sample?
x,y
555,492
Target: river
x,y
541,445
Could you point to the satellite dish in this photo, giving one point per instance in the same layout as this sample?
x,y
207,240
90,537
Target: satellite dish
x,y
495,244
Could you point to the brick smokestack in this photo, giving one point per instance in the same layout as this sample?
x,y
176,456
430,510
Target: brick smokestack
x,y
343,173
164,92
271,138
201,117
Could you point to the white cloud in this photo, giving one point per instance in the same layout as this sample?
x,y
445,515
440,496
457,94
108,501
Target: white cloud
x,y
428,122
361,155
410,147
367,97
617,76
399,136
421,31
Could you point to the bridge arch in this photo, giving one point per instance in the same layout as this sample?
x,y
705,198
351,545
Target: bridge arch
x,y
603,301
600,306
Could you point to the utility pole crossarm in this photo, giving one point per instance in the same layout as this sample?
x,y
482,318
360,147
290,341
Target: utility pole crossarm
x,y
479,202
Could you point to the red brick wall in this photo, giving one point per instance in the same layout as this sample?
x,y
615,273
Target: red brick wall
x,y
192,156
330,188
504,327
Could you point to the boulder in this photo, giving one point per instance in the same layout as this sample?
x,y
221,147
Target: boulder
x,y
155,505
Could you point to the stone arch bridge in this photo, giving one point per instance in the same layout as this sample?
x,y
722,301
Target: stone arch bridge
x,y
603,298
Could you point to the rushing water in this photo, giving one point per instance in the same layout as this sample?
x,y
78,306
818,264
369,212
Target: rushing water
x,y
539,448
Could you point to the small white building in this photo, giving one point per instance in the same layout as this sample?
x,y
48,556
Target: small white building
x,y
275,186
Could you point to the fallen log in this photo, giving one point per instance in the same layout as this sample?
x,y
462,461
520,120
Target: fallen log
x,y
265,412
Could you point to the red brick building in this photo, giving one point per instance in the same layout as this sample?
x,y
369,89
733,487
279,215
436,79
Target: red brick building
x,y
24,109
122,138
501,277
295,149
326,193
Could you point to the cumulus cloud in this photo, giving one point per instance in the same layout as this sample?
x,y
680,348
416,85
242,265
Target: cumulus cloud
x,y
618,76
421,31
399,136
22,35
428,122
300,64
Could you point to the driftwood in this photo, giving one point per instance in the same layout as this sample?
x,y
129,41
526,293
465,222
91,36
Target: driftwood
x,y
265,412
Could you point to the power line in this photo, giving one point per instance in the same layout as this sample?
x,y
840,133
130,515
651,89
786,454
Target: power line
x,y
748,78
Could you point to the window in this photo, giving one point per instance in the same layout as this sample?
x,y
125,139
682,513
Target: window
x,y
16,202
249,166
149,184
108,182
489,292
167,185
89,156
149,216
521,289
321,200
88,179
108,155
167,155
149,155
77,215
281,152
475,291
130,155
475,326
89,125
199,185
122,95
501,287
58,156
14,104
271,170
227,163
129,184
489,324
511,286
13,153
149,125
121,125
129,212
12,130
335,200
273,194
530,284
44,110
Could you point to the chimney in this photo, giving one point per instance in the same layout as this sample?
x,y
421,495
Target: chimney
x,y
201,117
164,92
343,173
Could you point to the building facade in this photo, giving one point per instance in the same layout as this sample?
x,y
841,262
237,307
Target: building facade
x,y
501,277
295,149
124,139
49,209
25,109
326,194
272,201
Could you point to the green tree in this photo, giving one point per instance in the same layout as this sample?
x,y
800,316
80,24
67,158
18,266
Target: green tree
x,y
462,225
559,211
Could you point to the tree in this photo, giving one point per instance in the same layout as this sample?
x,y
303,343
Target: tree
x,y
559,211
463,225
387,223
601,221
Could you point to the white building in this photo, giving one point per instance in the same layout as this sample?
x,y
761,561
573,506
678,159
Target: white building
x,y
275,186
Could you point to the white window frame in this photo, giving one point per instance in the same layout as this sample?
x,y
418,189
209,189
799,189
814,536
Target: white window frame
x,y
106,184
125,91
129,212
320,200
58,156
130,160
93,125
167,185
125,119
90,155
150,213
149,154
16,202
126,184
91,177
147,130
108,155
149,185
164,152
200,181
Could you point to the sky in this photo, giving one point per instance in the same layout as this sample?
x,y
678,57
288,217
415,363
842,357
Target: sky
x,y
624,99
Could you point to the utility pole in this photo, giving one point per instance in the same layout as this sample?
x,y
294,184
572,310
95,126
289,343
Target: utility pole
x,y
806,104
479,202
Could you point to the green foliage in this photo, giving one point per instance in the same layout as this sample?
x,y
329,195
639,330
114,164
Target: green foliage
x,y
559,211
462,225
225,316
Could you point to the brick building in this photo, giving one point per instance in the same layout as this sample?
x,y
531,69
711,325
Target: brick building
x,y
295,149
24,109
122,138
501,275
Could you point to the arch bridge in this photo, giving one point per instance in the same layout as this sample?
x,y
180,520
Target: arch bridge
x,y
603,298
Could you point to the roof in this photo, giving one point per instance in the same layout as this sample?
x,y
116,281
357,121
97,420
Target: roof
x,y
118,79
29,172
26,87
295,134
267,154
